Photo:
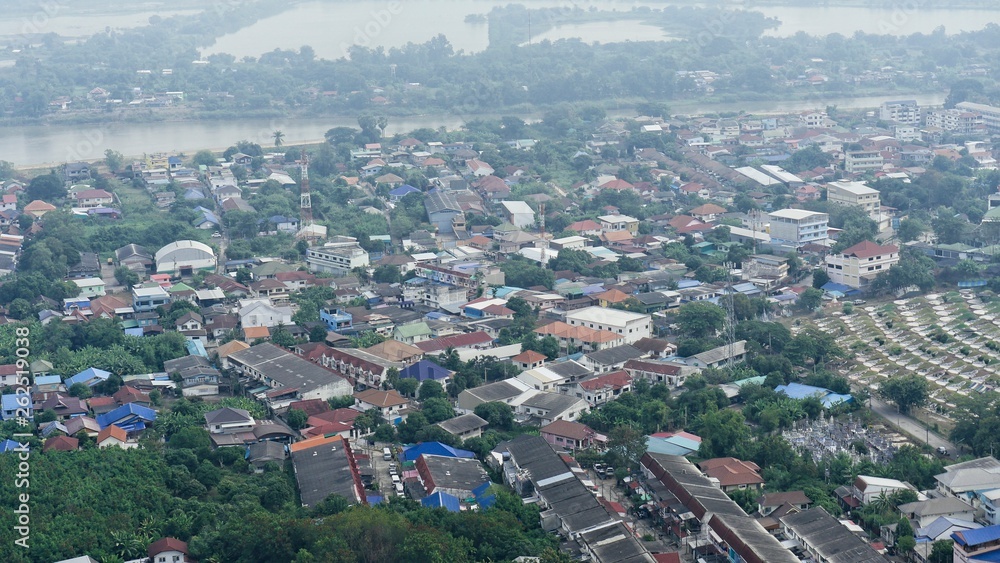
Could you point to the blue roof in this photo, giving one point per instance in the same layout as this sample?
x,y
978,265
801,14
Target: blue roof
x,y
47,380
374,499
441,500
988,557
403,190
800,391
8,446
11,402
136,331
976,537
196,348
425,369
839,287
90,376
674,445
931,531
434,448
128,416
194,193
684,284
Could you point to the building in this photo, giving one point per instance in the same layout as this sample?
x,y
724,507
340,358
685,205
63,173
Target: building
x,y
505,391
285,377
518,213
455,476
628,325
922,513
731,474
968,479
229,421
337,258
568,435
717,357
959,121
991,114
798,227
825,540
619,223
900,111
866,488
146,299
465,426
442,210
390,405
87,199
90,287
184,258
168,550
858,265
326,466
672,374
855,194
859,162
971,546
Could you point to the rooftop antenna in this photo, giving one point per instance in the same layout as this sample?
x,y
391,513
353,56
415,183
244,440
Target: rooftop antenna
x,y
305,198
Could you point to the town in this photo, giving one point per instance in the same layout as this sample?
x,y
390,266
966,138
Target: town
x,y
739,337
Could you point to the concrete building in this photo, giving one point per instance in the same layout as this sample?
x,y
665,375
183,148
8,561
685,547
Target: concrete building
x,y
900,111
518,213
991,114
442,209
825,540
619,223
798,227
854,194
145,299
337,258
859,162
858,265
960,121
630,326
285,377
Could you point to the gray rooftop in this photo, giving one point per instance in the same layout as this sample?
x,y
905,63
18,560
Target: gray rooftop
x,y
323,471
455,473
828,537
615,355
285,368
461,424
496,391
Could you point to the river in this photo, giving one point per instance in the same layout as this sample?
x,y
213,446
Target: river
x,y
35,145
331,27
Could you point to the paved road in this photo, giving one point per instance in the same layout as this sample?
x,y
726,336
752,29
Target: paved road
x,y
910,426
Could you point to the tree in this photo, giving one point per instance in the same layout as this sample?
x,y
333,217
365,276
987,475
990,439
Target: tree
x,y
80,391
820,278
906,391
905,545
126,277
437,409
700,319
317,333
811,299
431,389
499,415
627,445
910,229
48,187
114,160
204,158
407,386
296,418
943,551
387,273
278,137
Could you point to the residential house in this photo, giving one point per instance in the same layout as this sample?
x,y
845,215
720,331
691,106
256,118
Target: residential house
x,y
630,326
168,550
866,488
923,513
389,404
776,505
518,213
465,426
600,389
228,420
92,198
260,312
732,474
568,435
113,436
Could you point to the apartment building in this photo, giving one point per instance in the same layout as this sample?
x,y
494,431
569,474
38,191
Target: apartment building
x,y
991,114
854,194
858,265
962,122
630,326
859,162
337,258
798,227
618,223
900,111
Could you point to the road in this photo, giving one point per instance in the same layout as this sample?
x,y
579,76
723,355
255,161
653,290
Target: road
x,y
911,426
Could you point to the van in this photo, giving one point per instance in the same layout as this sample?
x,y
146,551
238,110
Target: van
x,y
399,489
395,479
386,454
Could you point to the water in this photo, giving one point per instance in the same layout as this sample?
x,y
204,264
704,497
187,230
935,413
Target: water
x,y
332,27
53,20
34,145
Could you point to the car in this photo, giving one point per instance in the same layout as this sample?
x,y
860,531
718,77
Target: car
x,y
598,468
392,471
942,450
609,472
859,301
396,480
216,235
399,489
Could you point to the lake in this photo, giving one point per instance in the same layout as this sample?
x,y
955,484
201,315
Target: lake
x,y
331,27
34,145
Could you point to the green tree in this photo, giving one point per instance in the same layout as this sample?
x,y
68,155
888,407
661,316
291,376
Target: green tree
x,y
407,386
431,389
910,229
48,187
278,137
296,418
820,278
700,319
811,299
387,273
907,391
905,545
499,415
204,158
114,160
943,551
626,445
126,277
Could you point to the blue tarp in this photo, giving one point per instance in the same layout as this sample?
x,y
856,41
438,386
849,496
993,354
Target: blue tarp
x,y
831,287
800,391
434,448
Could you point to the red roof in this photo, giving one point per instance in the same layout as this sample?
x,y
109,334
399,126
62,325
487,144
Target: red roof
x,y
667,557
61,444
868,249
167,544
568,429
615,380
584,226
528,357
336,415
310,406
731,471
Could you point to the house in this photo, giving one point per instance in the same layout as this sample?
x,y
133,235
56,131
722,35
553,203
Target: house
x,y
518,213
132,417
776,505
113,436
61,444
619,223
64,406
281,373
168,550
628,325
505,391
261,313
259,454
707,212
478,168
717,357
16,406
389,404
609,359
229,421
38,208
190,321
147,299
602,388
798,227
76,171
860,264
457,476
732,474
529,359
87,199
672,374
424,370
89,377
395,351
541,407
824,539
442,210
866,488
465,426
923,513
568,435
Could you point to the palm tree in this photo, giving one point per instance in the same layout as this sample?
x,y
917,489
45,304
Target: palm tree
x,y
278,137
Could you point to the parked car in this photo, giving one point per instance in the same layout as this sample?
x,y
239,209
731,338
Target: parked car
x,y
942,450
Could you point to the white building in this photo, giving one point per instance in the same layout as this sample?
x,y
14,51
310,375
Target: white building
x,y
631,326
854,194
90,287
518,213
260,312
990,114
859,162
858,265
337,258
617,223
184,258
900,111
798,226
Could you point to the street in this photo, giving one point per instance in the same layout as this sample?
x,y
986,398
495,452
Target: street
x,y
911,426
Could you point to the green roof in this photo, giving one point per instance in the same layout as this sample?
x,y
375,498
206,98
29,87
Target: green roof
x,y
758,380
180,286
412,330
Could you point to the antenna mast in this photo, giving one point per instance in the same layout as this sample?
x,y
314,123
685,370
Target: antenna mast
x,y
305,198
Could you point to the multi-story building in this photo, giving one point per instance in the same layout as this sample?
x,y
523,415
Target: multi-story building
x,y
900,111
991,114
854,194
858,265
859,162
630,326
337,258
145,299
617,223
798,227
962,122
